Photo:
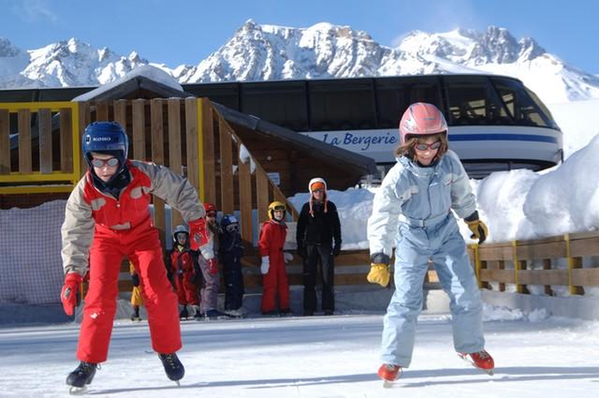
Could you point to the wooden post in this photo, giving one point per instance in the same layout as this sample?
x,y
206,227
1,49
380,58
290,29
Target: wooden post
x,y
138,116
24,117
45,140
501,265
226,167
573,263
262,195
208,154
102,111
66,141
4,142
547,266
174,147
191,136
245,197
84,120
158,158
120,114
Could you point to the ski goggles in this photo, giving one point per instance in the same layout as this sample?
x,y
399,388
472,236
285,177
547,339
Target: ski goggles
x,y
278,208
423,147
99,163
232,228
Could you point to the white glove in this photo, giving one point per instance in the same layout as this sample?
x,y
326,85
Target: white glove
x,y
288,257
265,265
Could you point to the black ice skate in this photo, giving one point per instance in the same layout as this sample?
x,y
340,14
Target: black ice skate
x,y
184,314
79,378
135,316
215,314
172,366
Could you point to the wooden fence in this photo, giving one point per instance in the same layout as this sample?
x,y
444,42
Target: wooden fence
x,y
570,261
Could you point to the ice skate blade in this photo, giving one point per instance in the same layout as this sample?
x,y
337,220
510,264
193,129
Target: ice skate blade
x,y
178,384
77,390
388,384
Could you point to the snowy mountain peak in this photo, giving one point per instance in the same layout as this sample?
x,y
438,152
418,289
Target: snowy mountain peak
x,y
7,49
324,50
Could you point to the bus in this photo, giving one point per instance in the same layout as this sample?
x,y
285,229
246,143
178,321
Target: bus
x,y
495,122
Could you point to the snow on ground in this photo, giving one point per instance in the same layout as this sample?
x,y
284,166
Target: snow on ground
x,y
312,357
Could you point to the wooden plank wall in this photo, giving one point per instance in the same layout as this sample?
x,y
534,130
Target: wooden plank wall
x,y
53,151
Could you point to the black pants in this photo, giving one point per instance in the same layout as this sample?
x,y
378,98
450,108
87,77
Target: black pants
x,y
316,254
233,285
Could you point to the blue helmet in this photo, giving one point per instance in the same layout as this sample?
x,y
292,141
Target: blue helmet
x,y
105,137
230,224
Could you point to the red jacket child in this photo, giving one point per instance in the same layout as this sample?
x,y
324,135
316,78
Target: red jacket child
x,y
107,218
182,270
272,240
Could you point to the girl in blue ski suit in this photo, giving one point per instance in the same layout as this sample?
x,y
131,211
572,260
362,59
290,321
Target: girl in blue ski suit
x,y
412,211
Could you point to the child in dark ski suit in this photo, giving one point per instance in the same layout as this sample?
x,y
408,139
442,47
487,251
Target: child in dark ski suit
x,y
230,251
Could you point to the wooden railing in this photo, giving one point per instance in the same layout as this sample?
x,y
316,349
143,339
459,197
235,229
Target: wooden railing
x,y
570,261
53,161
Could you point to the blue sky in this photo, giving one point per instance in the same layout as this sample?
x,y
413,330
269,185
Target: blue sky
x,y
174,32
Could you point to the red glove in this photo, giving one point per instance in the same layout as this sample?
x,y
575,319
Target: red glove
x,y
70,295
198,234
213,266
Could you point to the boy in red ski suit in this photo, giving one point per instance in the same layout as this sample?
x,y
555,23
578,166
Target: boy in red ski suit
x,y
182,270
274,282
107,218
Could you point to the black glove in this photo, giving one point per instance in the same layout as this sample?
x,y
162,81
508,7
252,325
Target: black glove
x,y
135,280
336,249
301,250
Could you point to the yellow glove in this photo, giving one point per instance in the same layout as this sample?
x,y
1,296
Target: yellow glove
x,y
379,273
478,228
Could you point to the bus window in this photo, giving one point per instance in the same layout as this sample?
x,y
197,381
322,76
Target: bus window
x,y
473,101
344,104
394,95
282,103
524,106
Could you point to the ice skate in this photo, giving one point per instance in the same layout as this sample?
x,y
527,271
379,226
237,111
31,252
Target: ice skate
x,y
215,314
238,313
481,360
285,312
135,316
184,314
197,314
172,366
79,378
389,373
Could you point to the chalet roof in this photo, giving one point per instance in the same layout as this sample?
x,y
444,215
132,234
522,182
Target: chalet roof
x,y
358,164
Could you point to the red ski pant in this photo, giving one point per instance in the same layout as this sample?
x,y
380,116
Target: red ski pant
x,y
187,290
142,246
275,283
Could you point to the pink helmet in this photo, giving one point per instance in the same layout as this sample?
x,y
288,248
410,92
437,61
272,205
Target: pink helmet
x,y
421,119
